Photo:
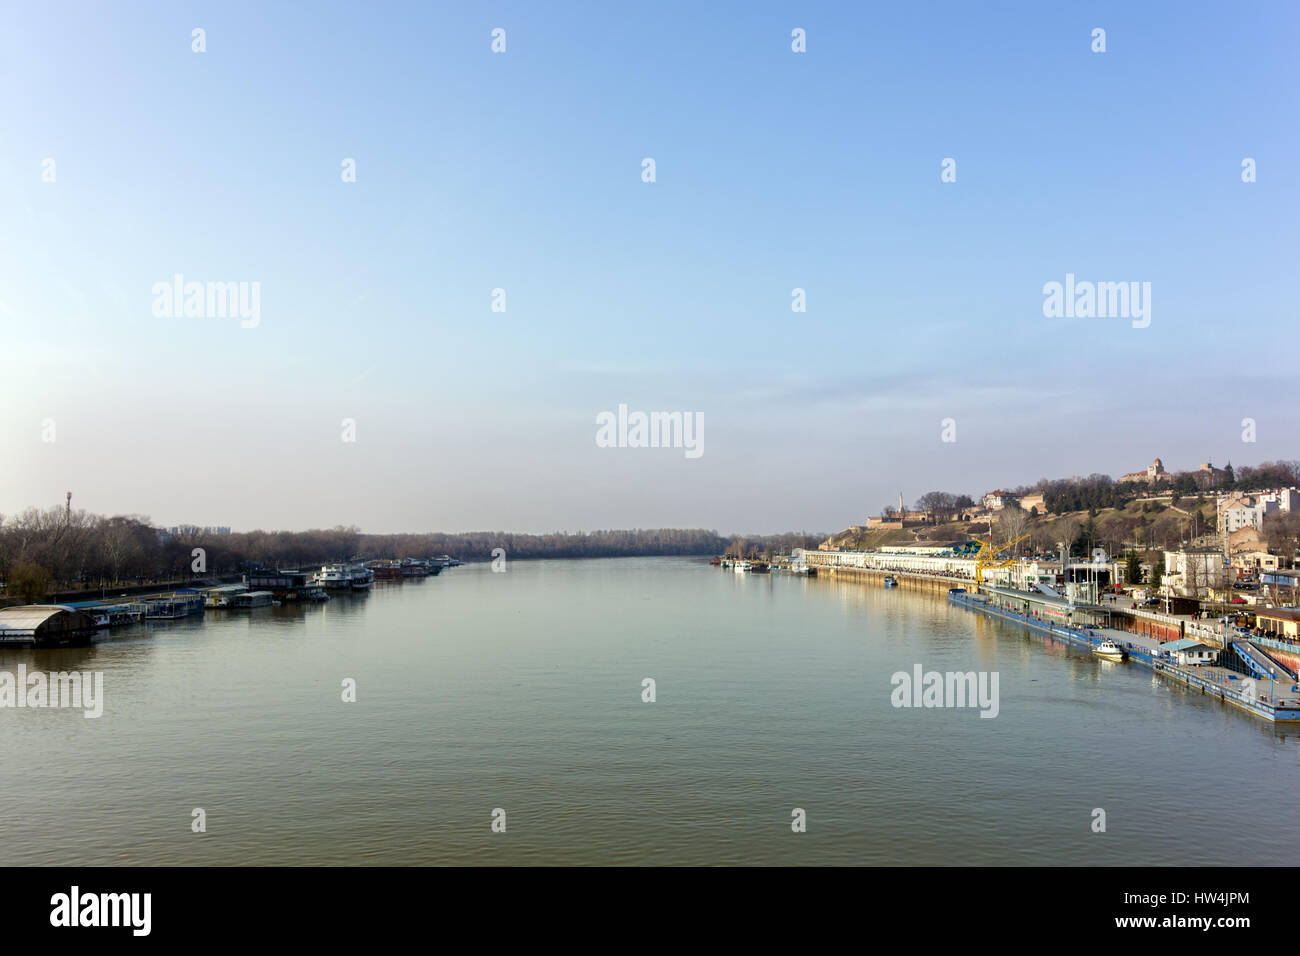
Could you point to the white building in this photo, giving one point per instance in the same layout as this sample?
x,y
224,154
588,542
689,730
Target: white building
x,y
1239,511
1193,572
997,500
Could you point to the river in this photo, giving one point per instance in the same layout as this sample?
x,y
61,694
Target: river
x,y
522,692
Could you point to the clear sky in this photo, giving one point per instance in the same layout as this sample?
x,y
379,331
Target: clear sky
x,y
522,171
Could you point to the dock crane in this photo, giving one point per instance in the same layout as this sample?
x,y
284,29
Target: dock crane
x,y
989,557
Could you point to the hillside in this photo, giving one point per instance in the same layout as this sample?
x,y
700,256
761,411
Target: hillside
x,y
1143,525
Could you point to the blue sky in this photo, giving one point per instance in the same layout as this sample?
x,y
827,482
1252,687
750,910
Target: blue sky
x,y
522,171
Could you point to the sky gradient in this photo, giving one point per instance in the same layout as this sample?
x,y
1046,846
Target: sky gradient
x,y
522,171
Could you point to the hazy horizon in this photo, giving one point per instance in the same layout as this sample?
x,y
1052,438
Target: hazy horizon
x,y
523,171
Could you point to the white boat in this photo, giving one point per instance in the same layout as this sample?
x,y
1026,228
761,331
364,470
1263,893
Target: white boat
x,y
741,566
1110,651
334,577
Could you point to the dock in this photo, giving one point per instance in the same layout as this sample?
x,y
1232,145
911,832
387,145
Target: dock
x,y
1278,702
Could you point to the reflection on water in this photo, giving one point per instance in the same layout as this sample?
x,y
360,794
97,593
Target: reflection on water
x,y
522,691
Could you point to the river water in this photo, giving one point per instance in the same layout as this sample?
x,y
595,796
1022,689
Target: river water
x,y
522,692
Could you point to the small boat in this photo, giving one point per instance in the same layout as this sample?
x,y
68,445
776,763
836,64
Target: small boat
x,y
715,561
315,594
890,582
740,567
760,567
1110,651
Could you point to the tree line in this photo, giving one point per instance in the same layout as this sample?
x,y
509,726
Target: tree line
x,y
61,549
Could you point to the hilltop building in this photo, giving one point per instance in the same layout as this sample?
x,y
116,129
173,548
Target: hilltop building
x,y
1154,474
997,500
1034,504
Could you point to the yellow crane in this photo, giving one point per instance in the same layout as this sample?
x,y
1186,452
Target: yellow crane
x,y
990,557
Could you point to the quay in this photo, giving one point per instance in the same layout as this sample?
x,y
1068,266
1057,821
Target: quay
x,y
1261,678
1212,680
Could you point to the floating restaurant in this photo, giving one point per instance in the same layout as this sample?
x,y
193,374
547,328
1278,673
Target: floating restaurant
x,y
35,625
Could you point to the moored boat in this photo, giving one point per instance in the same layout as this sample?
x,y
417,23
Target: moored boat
x,y
890,582
220,597
334,577
414,568
1110,651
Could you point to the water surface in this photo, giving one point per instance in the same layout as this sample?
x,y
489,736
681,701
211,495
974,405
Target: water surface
x,y
523,691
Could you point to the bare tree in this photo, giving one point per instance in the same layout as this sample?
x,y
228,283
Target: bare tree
x,y
1011,522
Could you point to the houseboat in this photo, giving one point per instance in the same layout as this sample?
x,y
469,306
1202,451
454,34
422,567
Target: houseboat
x,y
222,596
760,567
363,579
253,599
387,570
740,567
334,577
414,568
170,607
283,585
